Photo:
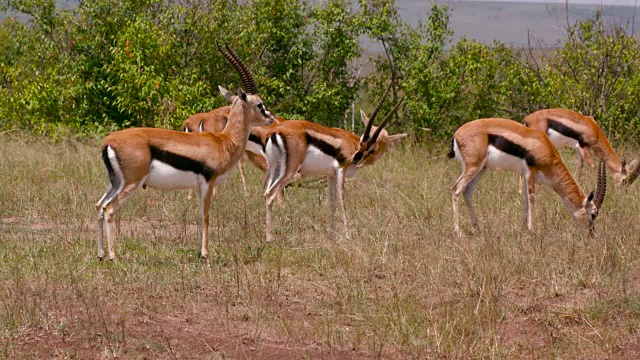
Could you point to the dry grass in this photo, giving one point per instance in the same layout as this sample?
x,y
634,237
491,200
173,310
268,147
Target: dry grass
x,y
404,286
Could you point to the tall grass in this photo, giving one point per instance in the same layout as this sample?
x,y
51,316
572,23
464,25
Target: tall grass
x,y
403,286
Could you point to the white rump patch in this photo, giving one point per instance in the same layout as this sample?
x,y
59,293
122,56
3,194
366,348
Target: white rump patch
x,y
165,177
276,161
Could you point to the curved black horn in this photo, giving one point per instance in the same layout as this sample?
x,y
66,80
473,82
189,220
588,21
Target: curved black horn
x,y
601,188
241,68
367,130
384,122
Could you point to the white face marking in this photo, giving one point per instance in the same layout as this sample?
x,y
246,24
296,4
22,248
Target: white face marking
x,y
165,177
317,163
560,140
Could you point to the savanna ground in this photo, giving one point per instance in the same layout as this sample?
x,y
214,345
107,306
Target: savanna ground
x,y
403,287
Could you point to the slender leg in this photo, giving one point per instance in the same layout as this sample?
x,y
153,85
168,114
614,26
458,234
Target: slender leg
x,y
468,199
99,206
340,186
525,214
242,176
331,187
458,187
531,189
109,209
206,190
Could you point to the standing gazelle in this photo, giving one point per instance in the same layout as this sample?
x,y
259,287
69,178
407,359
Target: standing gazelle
x,y
168,160
505,144
569,128
216,120
299,146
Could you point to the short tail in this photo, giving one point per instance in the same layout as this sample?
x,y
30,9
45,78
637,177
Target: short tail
x,y
452,153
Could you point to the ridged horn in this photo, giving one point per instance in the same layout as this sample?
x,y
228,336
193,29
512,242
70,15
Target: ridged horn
x,y
367,130
384,123
601,188
246,76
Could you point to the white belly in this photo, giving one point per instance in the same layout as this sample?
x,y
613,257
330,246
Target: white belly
x,y
254,148
165,177
221,179
317,163
560,140
497,159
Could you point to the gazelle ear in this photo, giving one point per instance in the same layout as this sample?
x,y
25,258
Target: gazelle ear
x,y
227,95
364,117
396,137
588,199
242,95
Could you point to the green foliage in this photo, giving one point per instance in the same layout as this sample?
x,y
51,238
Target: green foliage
x,y
107,65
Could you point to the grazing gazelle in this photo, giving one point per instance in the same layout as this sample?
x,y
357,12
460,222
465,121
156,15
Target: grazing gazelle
x,y
168,160
216,120
505,144
569,128
299,146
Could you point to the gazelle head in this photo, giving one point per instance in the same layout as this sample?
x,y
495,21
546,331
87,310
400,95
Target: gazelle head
x,y
592,203
250,101
373,145
627,174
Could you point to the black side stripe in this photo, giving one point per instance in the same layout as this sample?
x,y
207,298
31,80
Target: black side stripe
x,y
325,147
566,131
255,139
182,162
507,146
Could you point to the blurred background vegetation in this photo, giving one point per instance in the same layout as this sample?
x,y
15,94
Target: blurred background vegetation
x,y
107,64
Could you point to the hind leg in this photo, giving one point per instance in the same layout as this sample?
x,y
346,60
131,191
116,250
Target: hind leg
x,y
109,209
111,192
468,199
459,187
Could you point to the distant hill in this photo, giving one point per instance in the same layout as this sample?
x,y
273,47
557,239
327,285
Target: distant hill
x,y
505,21
508,22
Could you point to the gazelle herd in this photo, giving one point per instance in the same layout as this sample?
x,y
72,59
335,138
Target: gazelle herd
x,y
202,156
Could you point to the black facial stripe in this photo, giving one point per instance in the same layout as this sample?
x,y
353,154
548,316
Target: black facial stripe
x,y
181,162
255,139
357,157
566,131
325,147
511,148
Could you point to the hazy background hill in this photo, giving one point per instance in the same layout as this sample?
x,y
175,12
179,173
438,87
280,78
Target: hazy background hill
x,y
509,21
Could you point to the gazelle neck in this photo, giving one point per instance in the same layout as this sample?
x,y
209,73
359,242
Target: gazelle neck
x,y
604,150
237,129
566,187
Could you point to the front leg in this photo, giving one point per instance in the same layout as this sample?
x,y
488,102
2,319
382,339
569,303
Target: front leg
x,y
331,187
206,191
340,185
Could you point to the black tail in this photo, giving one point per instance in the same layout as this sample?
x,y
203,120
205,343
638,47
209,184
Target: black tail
x,y
451,153
107,163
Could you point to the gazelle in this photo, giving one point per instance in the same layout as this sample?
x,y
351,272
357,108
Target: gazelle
x,y
305,148
505,144
168,160
216,120
569,128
